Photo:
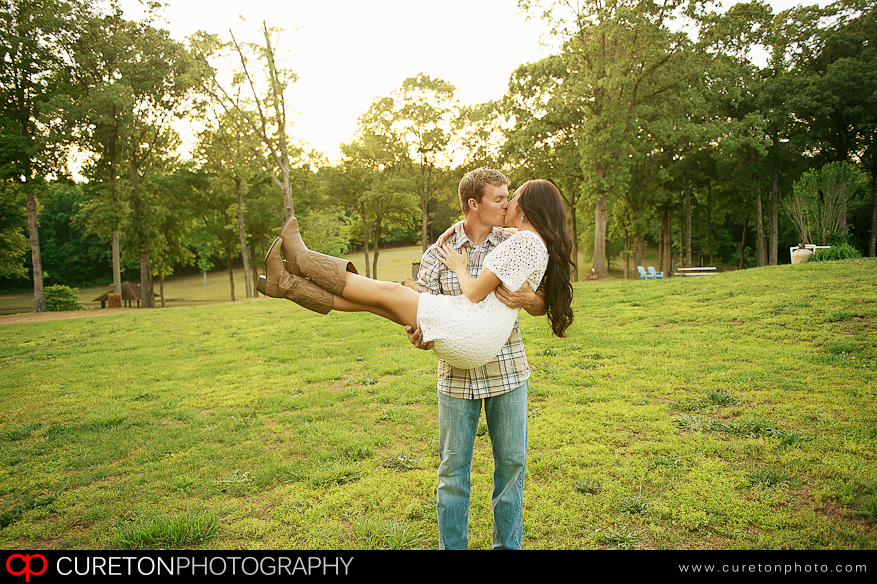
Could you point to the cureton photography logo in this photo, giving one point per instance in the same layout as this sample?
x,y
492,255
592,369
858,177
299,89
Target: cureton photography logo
x,y
46,566
26,565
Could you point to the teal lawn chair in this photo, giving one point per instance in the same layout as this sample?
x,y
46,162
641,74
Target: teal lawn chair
x,y
655,275
642,273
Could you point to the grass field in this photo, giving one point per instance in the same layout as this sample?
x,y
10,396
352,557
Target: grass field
x,y
737,411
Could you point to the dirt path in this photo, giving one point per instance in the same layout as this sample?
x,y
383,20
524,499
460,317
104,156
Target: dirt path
x,y
43,316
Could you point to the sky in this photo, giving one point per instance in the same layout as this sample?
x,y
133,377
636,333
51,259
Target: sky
x,y
347,53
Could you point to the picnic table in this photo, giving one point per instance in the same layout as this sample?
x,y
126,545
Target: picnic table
x,y
695,271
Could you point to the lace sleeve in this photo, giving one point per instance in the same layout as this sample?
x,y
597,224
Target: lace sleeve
x,y
517,259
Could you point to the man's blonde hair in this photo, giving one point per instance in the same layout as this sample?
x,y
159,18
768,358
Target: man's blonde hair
x,y
472,185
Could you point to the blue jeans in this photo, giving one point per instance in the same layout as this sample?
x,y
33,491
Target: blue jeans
x,y
507,424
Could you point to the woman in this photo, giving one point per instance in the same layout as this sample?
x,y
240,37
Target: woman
x,y
469,330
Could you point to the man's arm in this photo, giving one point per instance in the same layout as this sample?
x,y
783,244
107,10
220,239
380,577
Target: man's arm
x,y
532,302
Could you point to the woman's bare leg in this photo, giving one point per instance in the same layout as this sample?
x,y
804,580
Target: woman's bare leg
x,y
365,293
344,305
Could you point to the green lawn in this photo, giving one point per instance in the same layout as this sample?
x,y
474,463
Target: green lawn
x,y
736,411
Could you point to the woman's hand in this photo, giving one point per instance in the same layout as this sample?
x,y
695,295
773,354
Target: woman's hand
x,y
448,232
475,289
455,261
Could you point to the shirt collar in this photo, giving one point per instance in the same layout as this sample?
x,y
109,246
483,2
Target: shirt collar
x,y
496,236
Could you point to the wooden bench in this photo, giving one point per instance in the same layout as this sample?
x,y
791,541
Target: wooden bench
x,y
695,271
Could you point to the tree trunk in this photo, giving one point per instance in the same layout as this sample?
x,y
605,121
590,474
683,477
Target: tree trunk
x,y
709,222
574,231
279,104
626,254
230,271
661,244
761,259
682,257
424,220
872,244
117,262
254,272
601,220
666,241
638,250
365,240
242,234
743,239
146,299
114,173
774,216
161,283
376,251
285,189
39,294
690,258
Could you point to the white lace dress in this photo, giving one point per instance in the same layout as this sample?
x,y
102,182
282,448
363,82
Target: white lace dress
x,y
468,335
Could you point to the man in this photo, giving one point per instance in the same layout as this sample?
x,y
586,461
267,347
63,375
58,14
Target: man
x,y
500,385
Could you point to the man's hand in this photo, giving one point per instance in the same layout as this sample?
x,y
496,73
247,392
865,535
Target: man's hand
x,y
532,302
416,338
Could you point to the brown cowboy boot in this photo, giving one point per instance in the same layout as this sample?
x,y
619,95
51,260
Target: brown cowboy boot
x,y
289,267
277,283
324,270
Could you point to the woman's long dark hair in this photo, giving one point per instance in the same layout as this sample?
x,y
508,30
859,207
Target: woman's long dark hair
x,y
542,205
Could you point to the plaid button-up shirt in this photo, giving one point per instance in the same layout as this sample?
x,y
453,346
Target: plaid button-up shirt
x,y
510,368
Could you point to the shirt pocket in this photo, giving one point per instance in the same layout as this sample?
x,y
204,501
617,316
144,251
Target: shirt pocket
x,y
448,283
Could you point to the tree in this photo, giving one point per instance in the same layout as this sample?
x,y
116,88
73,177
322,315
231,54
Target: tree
x,y
389,203
368,182
626,61
158,73
261,115
13,219
132,81
34,37
791,38
226,153
71,255
480,131
171,224
819,206
761,133
95,120
212,209
843,91
547,122
416,124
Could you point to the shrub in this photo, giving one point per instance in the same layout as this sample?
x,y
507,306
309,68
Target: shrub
x,y
820,200
835,252
59,298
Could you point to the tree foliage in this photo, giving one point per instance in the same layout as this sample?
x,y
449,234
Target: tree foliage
x,y
670,125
